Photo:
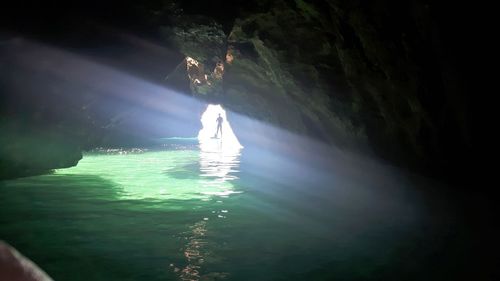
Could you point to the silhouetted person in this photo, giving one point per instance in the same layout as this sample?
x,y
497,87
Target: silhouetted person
x,y
219,125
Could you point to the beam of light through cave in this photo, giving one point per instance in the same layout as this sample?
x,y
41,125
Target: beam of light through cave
x,y
284,158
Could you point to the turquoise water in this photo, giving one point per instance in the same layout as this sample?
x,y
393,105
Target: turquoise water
x,y
178,213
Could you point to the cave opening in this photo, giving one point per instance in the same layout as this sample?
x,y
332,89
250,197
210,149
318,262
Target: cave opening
x,y
208,137
122,133
180,166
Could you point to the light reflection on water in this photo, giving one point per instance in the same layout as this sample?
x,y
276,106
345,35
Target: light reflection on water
x,y
216,169
163,175
186,214
171,175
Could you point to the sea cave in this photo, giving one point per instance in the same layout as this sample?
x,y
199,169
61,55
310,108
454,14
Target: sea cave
x,y
241,140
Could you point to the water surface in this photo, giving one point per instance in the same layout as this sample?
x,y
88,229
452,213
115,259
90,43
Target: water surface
x,y
178,213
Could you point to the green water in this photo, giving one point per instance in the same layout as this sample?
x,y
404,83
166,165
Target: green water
x,y
183,214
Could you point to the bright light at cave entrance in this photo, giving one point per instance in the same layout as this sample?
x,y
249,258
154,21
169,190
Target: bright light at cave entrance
x,y
182,174
228,142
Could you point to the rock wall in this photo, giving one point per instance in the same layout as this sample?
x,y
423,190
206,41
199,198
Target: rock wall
x,y
381,74
351,73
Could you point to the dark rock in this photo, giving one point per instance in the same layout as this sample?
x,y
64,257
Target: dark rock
x,y
27,150
385,73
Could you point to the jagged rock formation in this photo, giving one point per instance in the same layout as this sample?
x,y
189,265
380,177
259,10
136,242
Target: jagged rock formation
x,y
350,73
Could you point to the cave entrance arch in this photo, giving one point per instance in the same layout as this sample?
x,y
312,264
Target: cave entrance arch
x,y
227,142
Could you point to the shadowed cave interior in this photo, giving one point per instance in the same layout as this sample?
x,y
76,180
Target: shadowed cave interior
x,y
346,150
